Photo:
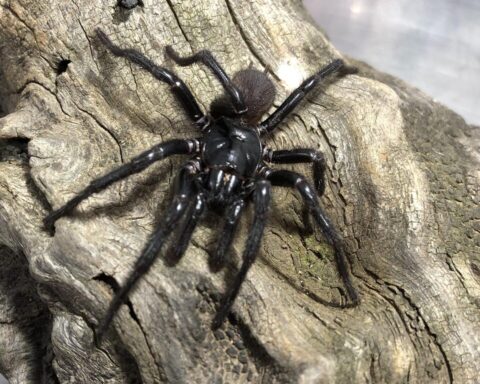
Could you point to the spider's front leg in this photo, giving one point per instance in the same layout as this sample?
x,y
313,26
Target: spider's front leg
x,y
205,57
298,95
137,164
303,155
261,200
178,87
184,191
291,179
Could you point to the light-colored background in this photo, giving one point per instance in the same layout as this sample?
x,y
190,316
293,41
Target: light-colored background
x,y
434,45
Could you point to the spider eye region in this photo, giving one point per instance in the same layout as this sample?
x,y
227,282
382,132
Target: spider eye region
x,y
240,136
231,146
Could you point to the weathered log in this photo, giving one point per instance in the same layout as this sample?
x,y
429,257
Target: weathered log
x,y
403,189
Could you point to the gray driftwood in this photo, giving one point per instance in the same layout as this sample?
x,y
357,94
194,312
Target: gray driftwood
x,y
403,189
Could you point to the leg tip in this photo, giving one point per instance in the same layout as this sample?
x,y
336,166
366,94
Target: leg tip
x,y
354,297
221,314
169,51
217,321
98,337
49,223
102,35
349,70
217,261
100,331
320,187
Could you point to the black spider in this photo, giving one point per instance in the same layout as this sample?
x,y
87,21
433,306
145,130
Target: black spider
x,y
227,168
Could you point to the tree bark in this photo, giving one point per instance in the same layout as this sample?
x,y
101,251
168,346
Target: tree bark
x,y
402,188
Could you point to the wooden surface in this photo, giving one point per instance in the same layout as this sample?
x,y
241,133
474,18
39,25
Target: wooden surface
x,y
403,185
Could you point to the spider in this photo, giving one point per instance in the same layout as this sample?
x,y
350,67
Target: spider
x,y
228,167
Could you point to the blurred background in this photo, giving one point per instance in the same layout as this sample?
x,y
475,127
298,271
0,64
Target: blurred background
x,y
433,45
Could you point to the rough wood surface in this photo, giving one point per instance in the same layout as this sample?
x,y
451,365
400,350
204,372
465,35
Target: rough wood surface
x,y
403,188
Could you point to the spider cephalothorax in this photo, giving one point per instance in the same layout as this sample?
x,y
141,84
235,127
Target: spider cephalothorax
x,y
228,167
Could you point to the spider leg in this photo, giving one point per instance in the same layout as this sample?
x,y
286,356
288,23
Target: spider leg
x,y
231,222
295,180
298,95
261,199
205,57
137,164
183,193
303,155
190,222
178,87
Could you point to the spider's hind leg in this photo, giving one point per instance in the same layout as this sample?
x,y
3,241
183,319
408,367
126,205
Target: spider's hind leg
x,y
261,199
292,179
181,201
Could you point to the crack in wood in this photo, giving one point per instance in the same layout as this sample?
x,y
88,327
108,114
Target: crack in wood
x,y
401,314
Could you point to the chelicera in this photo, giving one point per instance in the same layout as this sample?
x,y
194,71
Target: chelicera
x,y
229,166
